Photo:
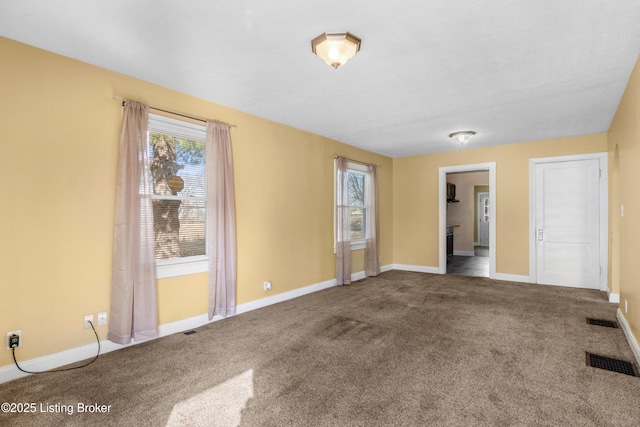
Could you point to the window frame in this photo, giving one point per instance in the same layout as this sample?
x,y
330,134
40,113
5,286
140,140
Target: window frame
x,y
174,267
364,170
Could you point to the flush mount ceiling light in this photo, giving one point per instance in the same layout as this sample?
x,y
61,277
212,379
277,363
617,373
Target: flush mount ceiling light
x,y
335,48
462,137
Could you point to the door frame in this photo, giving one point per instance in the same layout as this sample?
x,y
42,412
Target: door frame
x,y
603,210
442,197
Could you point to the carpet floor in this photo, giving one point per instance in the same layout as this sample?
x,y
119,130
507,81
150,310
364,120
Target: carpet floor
x,y
399,349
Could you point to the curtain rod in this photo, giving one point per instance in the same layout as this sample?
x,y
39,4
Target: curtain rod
x,y
335,156
199,119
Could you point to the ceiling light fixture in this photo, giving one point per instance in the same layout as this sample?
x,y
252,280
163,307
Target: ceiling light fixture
x,y
335,48
462,137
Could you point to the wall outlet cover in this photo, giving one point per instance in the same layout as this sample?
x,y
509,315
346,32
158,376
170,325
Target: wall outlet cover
x,y
102,318
8,341
88,318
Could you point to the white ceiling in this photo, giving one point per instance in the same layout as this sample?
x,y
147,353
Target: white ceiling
x,y
512,71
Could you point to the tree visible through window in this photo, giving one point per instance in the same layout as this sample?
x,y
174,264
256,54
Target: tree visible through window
x,y
357,211
177,169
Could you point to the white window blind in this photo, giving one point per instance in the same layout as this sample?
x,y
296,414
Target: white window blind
x,y
177,169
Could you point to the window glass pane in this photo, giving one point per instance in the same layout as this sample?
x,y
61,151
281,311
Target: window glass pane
x,y
177,165
355,182
177,169
357,213
192,228
486,210
356,178
356,223
179,228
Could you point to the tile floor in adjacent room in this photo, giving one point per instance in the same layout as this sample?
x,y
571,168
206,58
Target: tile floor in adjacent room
x,y
476,266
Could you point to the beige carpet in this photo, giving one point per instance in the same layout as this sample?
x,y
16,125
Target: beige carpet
x,y
401,349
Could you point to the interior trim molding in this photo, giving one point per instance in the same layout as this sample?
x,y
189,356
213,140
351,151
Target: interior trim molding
x,y
633,343
464,253
512,277
285,296
615,298
55,360
442,212
416,268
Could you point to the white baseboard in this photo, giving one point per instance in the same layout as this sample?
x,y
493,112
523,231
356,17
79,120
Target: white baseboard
x,y
52,361
512,278
416,268
284,296
633,343
464,253
384,268
613,297
265,302
55,360
435,270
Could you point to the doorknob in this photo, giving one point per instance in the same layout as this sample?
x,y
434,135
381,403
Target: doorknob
x,y
540,234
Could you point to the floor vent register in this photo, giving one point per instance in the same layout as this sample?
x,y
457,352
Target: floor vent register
x,y
610,364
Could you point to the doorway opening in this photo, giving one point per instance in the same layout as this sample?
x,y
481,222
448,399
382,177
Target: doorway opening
x,y
467,220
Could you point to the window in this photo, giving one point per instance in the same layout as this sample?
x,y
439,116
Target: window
x,y
357,177
485,210
177,170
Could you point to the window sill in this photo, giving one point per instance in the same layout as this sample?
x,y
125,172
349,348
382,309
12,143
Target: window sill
x,y
355,245
173,268
358,245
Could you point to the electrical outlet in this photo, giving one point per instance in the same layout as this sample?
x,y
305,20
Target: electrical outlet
x,y
102,318
11,342
88,318
267,286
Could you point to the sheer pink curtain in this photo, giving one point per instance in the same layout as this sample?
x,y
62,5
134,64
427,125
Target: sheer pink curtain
x,y
221,222
134,311
343,243
371,260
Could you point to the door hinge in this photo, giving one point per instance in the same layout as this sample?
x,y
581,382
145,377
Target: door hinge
x,y
599,173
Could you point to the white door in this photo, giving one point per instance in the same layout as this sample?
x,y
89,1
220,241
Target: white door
x,y
567,223
483,219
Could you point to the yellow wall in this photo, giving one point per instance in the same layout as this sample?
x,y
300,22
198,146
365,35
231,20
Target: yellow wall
x,y
61,119
624,158
415,197
60,122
